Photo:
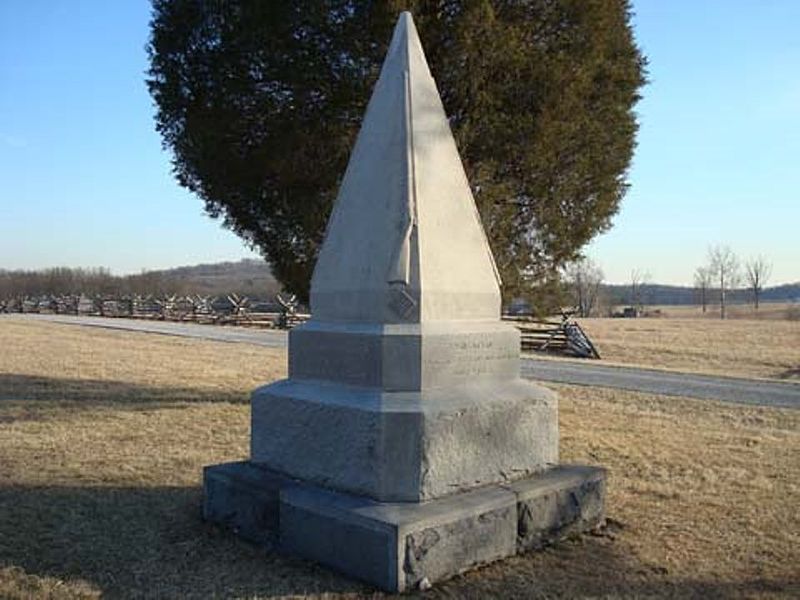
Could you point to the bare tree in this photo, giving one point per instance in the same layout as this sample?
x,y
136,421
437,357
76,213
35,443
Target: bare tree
x,y
702,283
724,268
583,278
757,272
639,279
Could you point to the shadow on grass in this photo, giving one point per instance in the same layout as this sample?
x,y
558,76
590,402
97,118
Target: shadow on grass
x,y
791,373
96,392
151,542
144,542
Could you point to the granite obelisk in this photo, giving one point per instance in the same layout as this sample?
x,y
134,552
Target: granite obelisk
x,y
404,445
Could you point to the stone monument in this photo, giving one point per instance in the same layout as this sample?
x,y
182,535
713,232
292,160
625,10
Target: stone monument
x,y
404,447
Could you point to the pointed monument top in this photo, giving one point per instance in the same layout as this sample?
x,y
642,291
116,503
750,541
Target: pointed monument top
x,y
405,44
404,243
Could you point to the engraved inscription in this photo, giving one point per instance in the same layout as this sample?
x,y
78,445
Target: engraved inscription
x,y
472,356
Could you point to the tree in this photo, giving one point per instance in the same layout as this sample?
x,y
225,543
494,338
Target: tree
x,y
260,103
639,279
724,267
757,272
583,278
702,283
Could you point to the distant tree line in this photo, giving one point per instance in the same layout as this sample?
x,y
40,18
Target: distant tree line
x,y
93,281
251,278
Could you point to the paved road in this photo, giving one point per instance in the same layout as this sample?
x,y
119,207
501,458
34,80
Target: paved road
x,y
259,337
669,383
728,389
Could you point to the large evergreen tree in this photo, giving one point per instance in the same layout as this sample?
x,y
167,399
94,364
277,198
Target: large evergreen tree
x,y
260,103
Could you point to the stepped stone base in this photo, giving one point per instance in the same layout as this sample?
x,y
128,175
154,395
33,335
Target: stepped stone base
x,y
395,545
408,446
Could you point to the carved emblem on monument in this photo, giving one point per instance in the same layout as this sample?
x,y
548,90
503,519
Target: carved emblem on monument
x,y
401,302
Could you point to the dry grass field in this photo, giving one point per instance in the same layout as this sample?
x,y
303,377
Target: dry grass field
x,y
735,347
103,435
766,311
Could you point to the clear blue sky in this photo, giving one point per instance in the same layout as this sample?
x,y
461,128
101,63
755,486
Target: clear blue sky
x,y
84,181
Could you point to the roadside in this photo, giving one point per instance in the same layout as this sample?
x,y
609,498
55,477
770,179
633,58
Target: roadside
x,y
665,383
587,373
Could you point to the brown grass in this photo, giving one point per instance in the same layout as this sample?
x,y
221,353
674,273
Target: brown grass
x,y
103,435
736,348
766,311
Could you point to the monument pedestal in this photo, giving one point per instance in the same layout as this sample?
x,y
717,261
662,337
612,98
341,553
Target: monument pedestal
x,y
395,545
405,446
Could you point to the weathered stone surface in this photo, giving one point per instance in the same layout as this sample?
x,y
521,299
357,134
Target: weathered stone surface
x,y
558,503
404,446
474,537
395,546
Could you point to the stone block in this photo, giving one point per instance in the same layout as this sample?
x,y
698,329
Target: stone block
x,y
404,357
558,503
244,498
404,446
395,545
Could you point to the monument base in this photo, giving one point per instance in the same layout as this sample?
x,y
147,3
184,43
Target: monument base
x,y
408,446
397,545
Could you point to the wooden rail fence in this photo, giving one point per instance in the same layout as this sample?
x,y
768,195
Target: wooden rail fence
x,y
537,335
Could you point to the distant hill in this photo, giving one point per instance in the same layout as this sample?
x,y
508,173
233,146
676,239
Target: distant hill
x,y
247,277
657,294
651,294
789,292
252,278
